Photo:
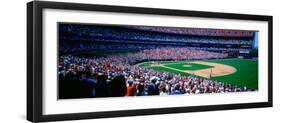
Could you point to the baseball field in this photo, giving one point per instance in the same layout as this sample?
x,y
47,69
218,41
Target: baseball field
x,y
239,72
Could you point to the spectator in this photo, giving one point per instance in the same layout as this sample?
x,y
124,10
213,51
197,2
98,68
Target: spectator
x,y
131,90
118,85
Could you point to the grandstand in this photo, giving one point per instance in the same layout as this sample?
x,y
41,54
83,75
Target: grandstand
x,y
84,38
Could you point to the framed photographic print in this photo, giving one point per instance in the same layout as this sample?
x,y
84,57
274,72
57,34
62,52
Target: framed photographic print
x,y
94,61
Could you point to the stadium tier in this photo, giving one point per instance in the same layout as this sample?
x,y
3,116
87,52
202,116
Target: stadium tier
x,y
79,38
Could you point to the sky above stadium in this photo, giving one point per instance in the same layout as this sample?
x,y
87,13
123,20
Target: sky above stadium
x,y
256,42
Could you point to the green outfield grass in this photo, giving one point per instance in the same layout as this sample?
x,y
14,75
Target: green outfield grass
x,y
246,74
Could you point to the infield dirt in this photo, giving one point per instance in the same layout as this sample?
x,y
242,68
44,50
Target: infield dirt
x,y
217,69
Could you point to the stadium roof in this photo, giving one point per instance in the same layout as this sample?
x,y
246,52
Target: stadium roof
x,y
196,31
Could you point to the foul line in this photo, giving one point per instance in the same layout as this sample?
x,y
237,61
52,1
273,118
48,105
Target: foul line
x,y
184,71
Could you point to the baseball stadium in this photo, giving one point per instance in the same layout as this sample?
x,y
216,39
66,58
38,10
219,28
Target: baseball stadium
x,y
101,60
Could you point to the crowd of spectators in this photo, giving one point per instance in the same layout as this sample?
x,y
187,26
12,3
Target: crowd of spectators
x,y
136,37
119,75
141,33
95,46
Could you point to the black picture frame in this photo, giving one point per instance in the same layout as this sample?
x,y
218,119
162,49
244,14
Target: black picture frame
x,y
35,69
